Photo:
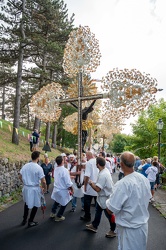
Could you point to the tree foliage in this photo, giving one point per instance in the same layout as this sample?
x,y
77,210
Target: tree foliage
x,y
32,38
145,134
118,143
144,140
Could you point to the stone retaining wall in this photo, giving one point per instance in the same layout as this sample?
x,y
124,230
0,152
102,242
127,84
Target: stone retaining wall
x,y
9,173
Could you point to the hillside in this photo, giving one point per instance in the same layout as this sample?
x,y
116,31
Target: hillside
x,y
19,152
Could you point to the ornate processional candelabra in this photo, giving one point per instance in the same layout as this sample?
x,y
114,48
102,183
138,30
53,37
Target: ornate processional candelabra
x,y
125,92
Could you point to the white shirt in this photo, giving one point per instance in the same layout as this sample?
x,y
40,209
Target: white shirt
x,y
32,173
151,172
78,192
91,171
112,162
105,183
62,182
129,201
108,166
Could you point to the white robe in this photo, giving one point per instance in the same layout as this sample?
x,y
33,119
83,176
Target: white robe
x,y
91,171
78,192
105,183
129,202
32,173
62,182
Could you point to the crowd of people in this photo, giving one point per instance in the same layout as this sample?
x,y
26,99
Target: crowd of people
x,y
151,168
125,204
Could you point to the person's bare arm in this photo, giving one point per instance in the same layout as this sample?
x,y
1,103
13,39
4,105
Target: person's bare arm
x,y
86,180
93,185
75,173
109,211
43,183
71,190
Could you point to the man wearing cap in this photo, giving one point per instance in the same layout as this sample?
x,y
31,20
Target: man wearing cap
x,y
129,202
70,164
64,158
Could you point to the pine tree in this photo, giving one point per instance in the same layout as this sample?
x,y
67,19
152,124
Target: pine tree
x,y
33,32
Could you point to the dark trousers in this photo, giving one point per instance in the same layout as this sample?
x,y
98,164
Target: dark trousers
x,y
157,179
61,210
98,215
31,145
32,214
87,204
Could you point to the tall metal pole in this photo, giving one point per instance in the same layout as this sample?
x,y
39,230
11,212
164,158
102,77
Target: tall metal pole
x,y
80,93
159,142
160,125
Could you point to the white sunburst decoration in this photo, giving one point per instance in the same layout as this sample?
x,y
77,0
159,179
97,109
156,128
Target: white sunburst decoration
x,y
81,53
130,91
45,105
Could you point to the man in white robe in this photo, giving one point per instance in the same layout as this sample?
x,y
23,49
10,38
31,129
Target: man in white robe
x,y
31,174
129,202
91,173
103,187
62,191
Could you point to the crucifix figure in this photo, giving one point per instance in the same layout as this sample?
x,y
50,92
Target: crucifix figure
x,y
85,113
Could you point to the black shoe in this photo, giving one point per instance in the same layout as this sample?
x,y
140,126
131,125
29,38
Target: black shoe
x,y
32,224
85,219
73,210
23,222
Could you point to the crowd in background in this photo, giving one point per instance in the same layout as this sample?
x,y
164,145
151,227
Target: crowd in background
x,y
91,183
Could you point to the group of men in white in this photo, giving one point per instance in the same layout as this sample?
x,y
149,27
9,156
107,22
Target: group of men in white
x,y
125,204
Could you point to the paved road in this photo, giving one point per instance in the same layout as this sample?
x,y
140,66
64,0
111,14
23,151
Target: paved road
x,y
69,234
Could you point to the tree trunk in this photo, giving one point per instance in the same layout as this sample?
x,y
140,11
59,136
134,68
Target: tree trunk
x,y
54,136
36,123
28,119
47,132
3,103
15,137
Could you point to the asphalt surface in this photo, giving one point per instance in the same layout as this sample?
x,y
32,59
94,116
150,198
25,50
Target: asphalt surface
x,y
69,234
